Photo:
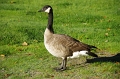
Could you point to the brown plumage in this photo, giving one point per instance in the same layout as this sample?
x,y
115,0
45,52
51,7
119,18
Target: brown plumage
x,y
60,45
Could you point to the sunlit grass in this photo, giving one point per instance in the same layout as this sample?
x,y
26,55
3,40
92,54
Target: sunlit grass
x,y
90,21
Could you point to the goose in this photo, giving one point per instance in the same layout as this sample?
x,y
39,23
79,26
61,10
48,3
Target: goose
x,y
63,46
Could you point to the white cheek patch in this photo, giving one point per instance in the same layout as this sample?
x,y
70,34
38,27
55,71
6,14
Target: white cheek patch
x,y
48,10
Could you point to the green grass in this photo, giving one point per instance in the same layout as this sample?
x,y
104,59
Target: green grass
x,y
95,22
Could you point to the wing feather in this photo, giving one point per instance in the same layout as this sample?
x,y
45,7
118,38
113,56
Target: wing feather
x,y
72,43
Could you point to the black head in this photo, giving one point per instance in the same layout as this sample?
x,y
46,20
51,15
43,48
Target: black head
x,y
46,8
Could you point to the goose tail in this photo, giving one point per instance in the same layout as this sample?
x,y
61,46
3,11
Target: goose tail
x,y
85,53
92,54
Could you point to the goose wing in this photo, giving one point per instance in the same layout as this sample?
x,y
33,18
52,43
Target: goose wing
x,y
72,43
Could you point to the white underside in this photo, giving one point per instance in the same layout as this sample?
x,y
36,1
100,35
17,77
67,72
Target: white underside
x,y
78,53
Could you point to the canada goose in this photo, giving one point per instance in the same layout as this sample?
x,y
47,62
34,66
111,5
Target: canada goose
x,y
63,46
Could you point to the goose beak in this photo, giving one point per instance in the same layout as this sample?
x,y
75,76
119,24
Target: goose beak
x,y
40,10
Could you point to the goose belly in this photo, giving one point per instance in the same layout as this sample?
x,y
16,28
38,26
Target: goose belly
x,y
56,50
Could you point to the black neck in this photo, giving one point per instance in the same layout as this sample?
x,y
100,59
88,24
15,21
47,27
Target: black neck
x,y
50,21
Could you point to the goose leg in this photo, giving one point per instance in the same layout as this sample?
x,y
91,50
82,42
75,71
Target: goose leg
x,y
63,65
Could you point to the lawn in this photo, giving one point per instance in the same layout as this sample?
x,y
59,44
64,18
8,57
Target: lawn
x,y
22,52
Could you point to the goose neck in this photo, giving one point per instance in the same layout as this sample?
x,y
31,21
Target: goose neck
x,y
50,21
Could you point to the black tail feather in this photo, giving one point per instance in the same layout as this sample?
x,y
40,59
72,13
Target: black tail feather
x,y
92,54
92,46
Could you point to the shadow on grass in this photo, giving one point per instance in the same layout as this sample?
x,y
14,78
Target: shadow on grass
x,y
115,58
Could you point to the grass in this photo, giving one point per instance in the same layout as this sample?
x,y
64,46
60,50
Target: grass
x,y
91,21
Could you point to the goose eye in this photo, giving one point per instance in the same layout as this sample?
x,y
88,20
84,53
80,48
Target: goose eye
x,y
45,8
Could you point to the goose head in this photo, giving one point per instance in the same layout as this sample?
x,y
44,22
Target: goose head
x,y
46,8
